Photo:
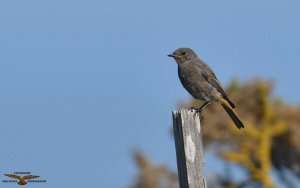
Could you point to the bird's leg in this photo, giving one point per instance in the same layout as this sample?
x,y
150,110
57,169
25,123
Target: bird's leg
x,y
205,105
199,109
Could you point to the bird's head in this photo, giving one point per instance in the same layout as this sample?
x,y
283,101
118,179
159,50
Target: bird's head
x,y
182,55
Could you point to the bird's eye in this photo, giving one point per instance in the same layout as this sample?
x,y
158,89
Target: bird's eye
x,y
183,53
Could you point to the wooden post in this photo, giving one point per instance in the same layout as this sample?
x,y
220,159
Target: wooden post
x,y
189,149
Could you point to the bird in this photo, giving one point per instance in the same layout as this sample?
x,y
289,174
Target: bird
x,y
22,179
201,82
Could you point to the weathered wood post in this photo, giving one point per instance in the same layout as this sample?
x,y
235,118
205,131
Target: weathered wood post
x,y
189,149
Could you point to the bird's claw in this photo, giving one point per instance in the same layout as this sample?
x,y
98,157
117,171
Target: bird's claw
x,y
198,110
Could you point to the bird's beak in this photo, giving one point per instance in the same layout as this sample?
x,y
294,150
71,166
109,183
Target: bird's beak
x,y
173,55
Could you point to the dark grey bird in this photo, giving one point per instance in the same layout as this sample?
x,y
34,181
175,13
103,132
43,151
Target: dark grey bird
x,y
201,82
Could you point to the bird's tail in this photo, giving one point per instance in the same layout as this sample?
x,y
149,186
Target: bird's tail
x,y
231,113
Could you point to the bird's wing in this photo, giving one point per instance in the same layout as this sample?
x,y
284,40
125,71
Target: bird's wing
x,y
30,177
211,78
12,176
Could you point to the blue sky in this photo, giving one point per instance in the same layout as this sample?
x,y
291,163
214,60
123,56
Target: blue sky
x,y
83,83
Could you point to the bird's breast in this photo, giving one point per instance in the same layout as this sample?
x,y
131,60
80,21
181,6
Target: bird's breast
x,y
194,82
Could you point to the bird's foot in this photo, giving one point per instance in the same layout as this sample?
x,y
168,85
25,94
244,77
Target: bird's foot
x,y
199,111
